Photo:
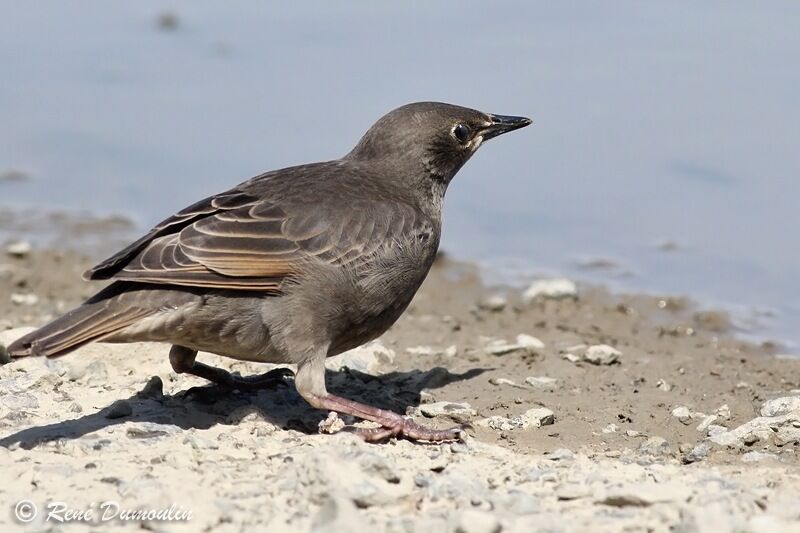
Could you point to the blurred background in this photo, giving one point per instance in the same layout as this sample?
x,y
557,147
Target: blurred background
x,y
663,156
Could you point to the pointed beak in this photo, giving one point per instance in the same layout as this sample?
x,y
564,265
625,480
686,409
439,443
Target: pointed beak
x,y
501,124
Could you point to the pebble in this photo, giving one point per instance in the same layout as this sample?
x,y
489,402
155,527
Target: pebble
x,y
541,382
698,453
715,429
525,344
780,406
540,416
611,428
495,303
430,351
432,410
372,358
663,385
18,298
532,418
707,421
682,413
655,446
555,288
19,249
755,456
601,354
332,424
561,454
119,409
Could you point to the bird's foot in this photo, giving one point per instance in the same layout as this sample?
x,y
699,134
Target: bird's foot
x,y
392,424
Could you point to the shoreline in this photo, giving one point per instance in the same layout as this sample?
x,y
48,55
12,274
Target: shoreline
x,y
634,438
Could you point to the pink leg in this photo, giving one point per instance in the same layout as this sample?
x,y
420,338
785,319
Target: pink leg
x,y
394,425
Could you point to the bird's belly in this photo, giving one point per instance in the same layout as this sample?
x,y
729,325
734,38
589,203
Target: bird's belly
x,y
384,292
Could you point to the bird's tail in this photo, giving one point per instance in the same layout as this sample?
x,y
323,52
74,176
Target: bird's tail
x,y
99,317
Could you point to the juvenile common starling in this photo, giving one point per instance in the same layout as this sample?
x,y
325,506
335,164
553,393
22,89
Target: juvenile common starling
x,y
292,266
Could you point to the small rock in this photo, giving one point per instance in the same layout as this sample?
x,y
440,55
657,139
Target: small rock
x,y
571,357
332,424
495,303
540,416
698,453
372,358
525,343
432,410
473,521
611,428
561,454
601,354
780,406
24,299
504,381
633,433
723,411
655,446
663,385
755,456
119,409
683,414
150,430
430,351
707,421
714,429
19,249
556,288
541,382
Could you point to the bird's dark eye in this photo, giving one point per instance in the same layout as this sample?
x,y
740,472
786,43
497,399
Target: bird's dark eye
x,y
461,132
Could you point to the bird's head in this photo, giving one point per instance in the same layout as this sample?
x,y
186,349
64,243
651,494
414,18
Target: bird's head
x,y
431,138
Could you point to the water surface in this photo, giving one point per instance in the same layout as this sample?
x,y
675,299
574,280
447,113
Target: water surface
x,y
657,125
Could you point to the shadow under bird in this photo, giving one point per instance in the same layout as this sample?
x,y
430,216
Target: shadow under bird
x,y
292,266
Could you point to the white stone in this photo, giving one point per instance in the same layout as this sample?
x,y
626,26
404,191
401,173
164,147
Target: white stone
x,y
681,412
495,303
755,456
601,354
723,411
762,427
541,382
555,288
540,416
24,299
780,406
611,428
372,358
19,249
446,409
707,421
524,343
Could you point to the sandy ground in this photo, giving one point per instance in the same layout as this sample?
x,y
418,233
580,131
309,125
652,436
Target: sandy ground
x,y
665,434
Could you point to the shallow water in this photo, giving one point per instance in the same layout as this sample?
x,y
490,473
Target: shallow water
x,y
670,123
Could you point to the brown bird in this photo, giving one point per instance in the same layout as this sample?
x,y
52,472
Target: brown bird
x,y
292,266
